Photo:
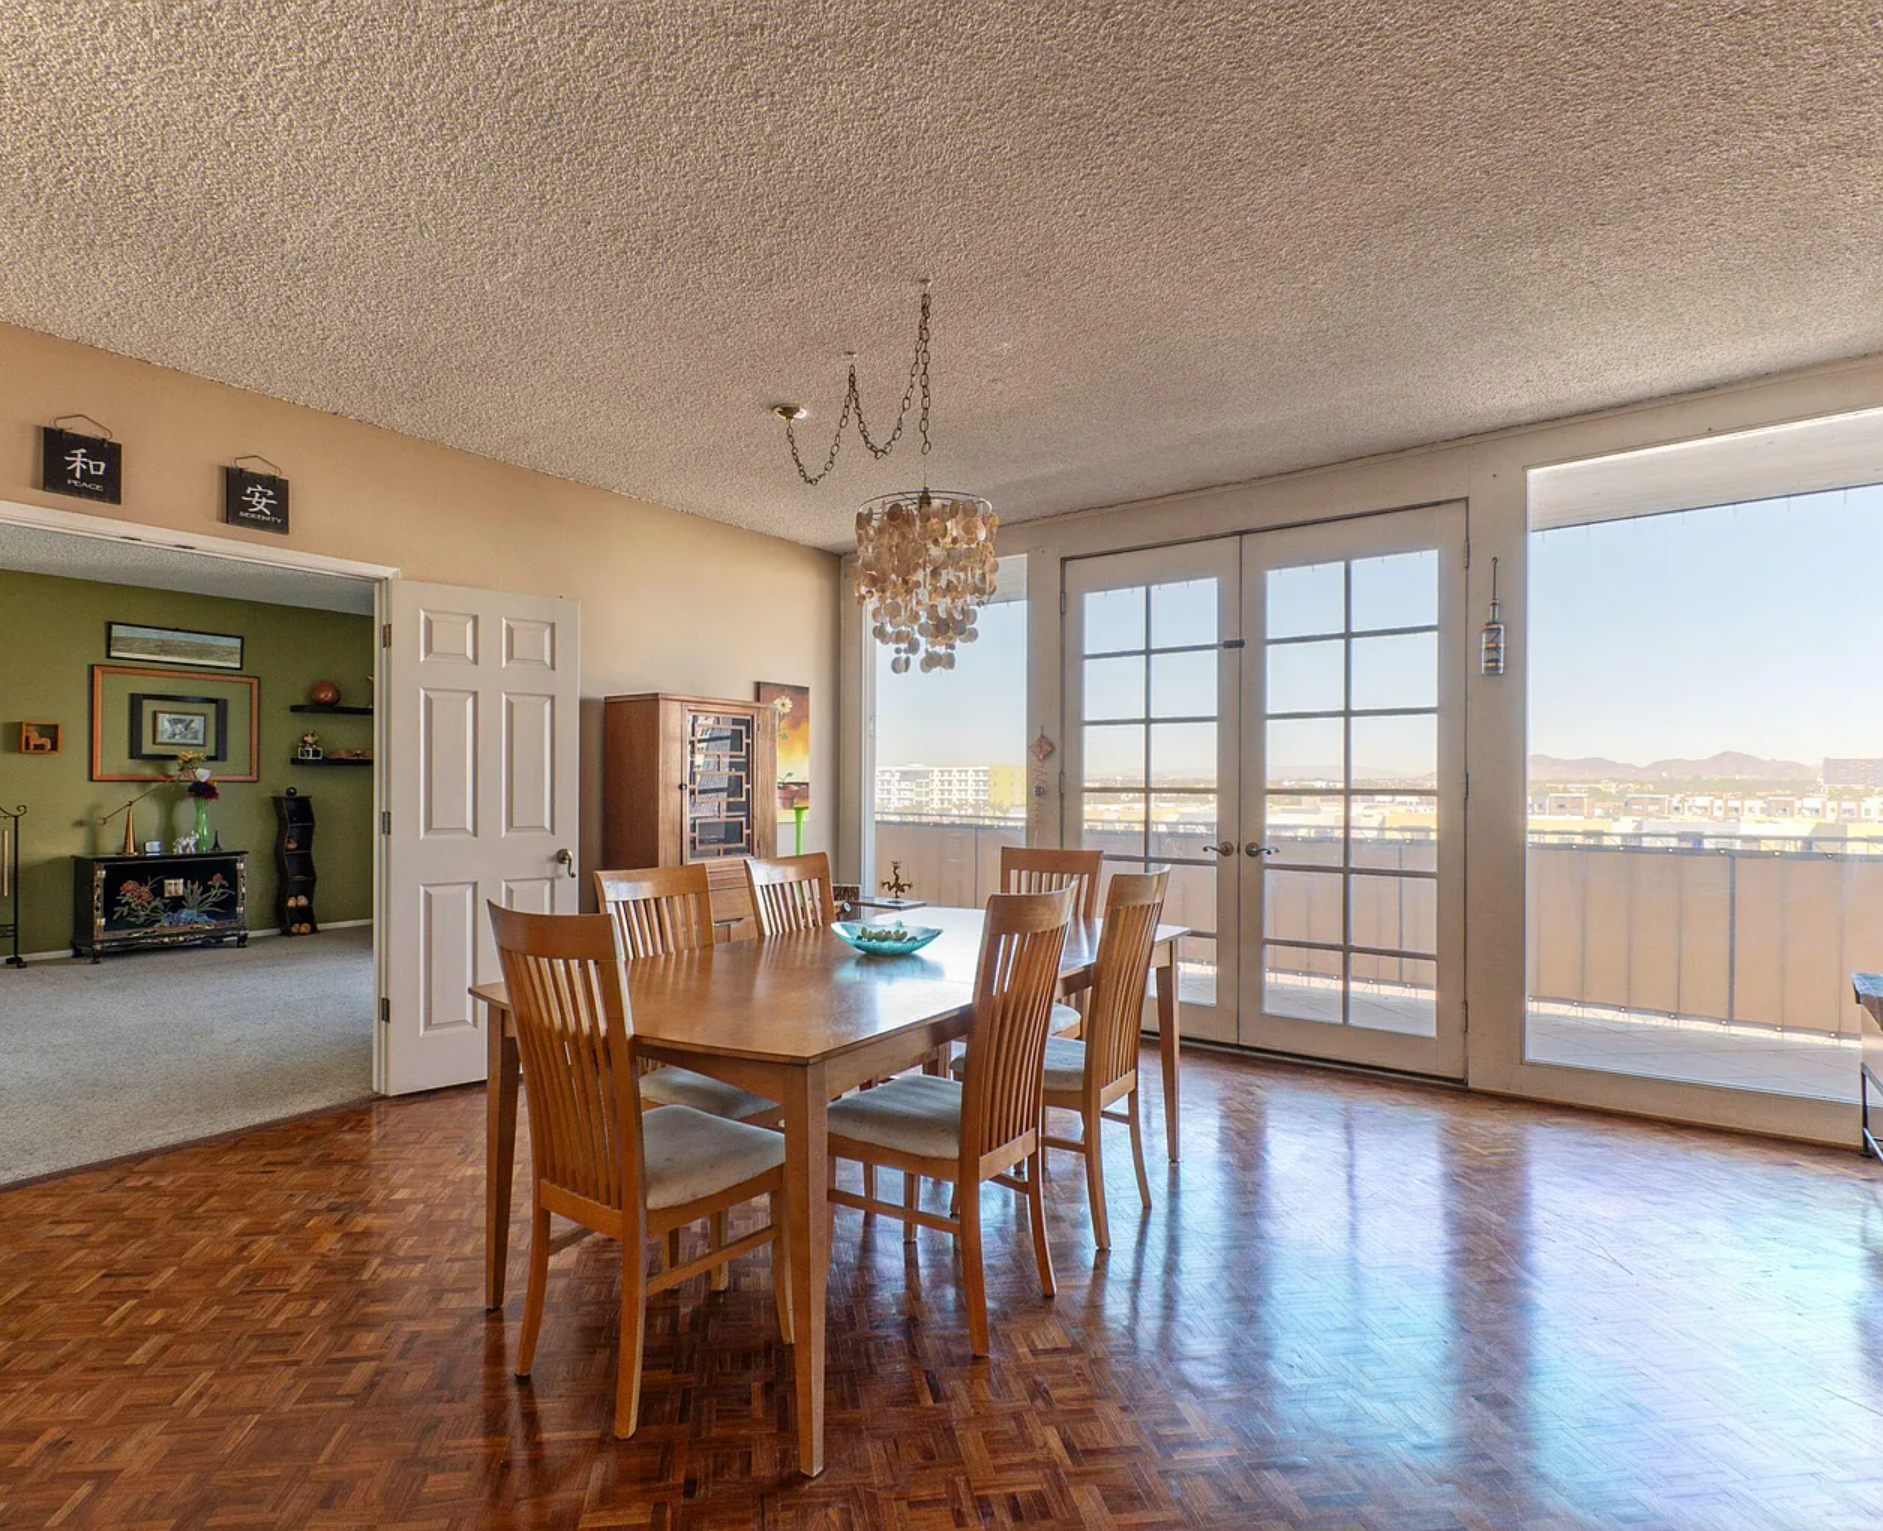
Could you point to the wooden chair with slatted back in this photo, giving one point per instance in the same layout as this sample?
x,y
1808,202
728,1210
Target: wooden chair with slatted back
x,y
658,909
1089,1075
670,909
595,1156
790,892
1037,869
984,1125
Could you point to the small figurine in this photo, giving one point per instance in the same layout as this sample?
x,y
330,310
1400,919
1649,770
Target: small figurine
x,y
310,746
893,884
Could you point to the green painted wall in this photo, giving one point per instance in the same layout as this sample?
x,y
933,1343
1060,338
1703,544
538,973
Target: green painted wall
x,y
53,630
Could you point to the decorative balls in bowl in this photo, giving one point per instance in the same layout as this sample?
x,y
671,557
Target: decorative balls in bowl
x,y
892,940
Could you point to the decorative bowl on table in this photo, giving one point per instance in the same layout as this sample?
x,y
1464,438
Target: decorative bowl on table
x,y
892,940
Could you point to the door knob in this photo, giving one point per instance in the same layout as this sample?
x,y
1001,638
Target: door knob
x,y
1252,849
1225,848
566,859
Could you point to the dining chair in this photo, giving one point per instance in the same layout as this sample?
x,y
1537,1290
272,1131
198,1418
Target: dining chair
x,y
790,892
670,909
595,1157
1040,869
1089,1075
659,910
982,1126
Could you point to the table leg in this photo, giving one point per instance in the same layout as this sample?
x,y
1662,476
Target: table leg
x,y
1167,1044
500,1150
807,1183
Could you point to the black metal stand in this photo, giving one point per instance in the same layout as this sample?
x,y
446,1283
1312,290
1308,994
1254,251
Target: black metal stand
x,y
10,880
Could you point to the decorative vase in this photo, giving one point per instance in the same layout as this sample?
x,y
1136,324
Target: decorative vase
x,y
202,824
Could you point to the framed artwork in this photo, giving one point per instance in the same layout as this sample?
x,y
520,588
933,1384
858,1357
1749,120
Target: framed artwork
x,y
40,738
143,718
163,727
793,706
172,646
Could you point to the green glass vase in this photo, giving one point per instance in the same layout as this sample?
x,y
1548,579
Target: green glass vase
x,y
202,823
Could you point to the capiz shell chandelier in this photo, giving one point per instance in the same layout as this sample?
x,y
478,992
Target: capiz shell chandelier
x,y
926,560
925,557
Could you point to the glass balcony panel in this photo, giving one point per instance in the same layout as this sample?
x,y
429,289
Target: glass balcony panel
x,y
1302,906
1113,822
1301,982
1183,827
1393,994
1395,832
1305,830
1396,912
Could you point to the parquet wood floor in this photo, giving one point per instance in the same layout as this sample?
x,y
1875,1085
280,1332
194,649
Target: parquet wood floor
x,y
1357,1306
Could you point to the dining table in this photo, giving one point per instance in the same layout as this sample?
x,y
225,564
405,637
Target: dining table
x,y
800,1018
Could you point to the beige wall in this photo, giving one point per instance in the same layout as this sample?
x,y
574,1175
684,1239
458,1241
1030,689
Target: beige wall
x,y
670,602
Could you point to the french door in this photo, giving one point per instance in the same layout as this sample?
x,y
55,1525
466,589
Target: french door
x,y
1319,671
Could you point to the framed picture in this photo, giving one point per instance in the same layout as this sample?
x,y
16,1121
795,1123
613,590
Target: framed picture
x,y
143,718
172,646
163,727
793,707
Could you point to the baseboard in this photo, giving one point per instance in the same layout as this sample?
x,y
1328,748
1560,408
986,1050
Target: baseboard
x,y
64,953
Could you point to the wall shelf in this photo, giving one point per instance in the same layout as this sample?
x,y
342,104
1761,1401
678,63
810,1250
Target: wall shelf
x,y
327,761
334,711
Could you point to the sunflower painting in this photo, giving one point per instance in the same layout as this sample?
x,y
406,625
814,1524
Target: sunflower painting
x,y
793,707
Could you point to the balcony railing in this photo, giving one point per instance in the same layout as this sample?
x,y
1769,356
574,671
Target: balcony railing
x,y
1750,930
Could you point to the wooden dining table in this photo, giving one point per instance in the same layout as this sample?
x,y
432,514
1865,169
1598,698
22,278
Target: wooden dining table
x,y
801,1019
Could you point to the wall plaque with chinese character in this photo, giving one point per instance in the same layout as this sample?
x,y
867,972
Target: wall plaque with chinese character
x,y
91,467
259,500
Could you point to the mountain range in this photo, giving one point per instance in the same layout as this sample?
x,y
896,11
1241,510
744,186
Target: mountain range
x,y
1728,765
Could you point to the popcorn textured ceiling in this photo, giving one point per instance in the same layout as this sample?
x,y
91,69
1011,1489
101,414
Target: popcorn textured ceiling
x,y
1173,244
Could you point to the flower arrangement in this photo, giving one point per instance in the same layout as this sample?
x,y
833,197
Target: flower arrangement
x,y
200,780
200,784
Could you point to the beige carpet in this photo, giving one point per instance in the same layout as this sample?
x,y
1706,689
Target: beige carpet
x,y
152,1048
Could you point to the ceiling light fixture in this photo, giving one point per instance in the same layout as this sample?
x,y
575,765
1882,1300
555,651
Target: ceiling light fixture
x,y
925,557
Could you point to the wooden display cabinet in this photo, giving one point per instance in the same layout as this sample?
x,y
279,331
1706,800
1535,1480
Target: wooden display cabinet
x,y
690,779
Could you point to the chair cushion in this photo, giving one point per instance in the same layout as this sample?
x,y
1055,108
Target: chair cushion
x,y
911,1114
1065,1018
674,1086
1065,1064
690,1155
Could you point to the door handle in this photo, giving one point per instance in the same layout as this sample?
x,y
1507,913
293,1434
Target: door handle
x,y
1252,849
565,858
1225,848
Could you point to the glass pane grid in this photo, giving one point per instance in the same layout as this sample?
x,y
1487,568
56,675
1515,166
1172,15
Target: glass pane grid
x,y
1309,963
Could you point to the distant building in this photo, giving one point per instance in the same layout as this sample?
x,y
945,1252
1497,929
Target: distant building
x,y
1855,772
950,791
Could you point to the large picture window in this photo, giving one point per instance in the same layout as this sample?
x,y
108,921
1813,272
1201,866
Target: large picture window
x,y
950,785
1706,792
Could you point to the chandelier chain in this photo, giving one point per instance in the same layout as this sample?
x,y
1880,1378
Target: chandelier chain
x,y
853,408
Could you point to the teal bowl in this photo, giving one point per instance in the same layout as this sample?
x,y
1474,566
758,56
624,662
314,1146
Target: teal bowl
x,y
885,940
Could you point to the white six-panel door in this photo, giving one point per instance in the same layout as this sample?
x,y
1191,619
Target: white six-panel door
x,y
481,700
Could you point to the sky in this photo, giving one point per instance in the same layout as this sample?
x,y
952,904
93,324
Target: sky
x,y
1746,627
1751,627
